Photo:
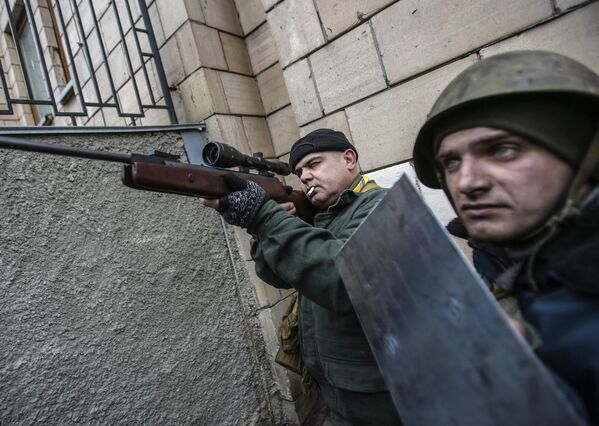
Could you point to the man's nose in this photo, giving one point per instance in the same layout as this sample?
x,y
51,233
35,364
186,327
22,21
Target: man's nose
x,y
472,176
305,177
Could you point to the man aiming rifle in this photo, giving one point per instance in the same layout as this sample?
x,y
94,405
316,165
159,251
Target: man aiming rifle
x,y
292,253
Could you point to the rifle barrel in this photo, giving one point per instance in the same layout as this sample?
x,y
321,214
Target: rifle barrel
x,y
24,145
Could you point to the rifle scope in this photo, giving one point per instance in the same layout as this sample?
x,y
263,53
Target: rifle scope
x,y
222,155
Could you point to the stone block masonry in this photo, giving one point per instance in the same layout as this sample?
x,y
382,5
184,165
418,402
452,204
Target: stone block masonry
x,y
296,29
416,36
348,69
261,49
385,126
272,89
382,63
339,16
575,34
302,91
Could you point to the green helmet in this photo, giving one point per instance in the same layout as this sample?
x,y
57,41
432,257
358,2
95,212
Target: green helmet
x,y
547,98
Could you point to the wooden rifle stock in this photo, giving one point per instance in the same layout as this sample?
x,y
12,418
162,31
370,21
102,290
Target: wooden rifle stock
x,y
206,182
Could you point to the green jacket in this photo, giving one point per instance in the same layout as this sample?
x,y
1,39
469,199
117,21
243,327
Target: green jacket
x,y
291,253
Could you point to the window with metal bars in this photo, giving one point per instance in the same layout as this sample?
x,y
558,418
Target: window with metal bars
x,y
69,59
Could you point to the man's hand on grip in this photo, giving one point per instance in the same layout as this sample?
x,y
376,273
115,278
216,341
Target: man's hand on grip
x,y
240,206
289,207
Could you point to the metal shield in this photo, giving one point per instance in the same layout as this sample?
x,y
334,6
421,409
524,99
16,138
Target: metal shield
x,y
441,341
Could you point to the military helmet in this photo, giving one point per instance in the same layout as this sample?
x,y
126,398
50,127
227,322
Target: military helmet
x,y
522,92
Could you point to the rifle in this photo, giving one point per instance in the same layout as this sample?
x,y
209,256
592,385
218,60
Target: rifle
x,y
163,172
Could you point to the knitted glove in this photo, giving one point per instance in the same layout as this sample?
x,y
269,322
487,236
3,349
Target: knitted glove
x,y
240,206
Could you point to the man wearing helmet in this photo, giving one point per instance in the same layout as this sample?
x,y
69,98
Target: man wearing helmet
x,y
514,143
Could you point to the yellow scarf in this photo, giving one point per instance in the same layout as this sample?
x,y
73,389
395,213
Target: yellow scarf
x,y
364,185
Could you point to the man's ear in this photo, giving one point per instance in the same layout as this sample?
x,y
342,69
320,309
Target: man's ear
x,y
350,158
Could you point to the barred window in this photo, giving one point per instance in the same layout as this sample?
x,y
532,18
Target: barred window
x,y
67,62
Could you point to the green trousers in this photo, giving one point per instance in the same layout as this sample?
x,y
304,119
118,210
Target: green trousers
x,y
359,408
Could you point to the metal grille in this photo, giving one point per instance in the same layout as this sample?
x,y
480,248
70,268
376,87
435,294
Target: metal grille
x,y
87,47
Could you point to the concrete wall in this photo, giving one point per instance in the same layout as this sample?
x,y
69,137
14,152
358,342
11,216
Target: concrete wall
x,y
121,306
205,48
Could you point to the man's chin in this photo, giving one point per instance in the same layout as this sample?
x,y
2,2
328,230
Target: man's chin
x,y
319,202
491,234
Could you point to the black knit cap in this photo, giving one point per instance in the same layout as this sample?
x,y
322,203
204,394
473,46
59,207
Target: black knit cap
x,y
318,141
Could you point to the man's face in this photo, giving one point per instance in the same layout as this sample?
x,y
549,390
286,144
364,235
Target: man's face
x,y
325,175
502,186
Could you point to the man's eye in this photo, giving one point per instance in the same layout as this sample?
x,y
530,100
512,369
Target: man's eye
x,y
504,151
450,163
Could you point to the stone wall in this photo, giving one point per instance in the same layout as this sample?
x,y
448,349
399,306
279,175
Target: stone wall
x,y
374,68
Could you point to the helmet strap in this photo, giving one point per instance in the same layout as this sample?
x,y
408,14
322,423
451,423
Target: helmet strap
x,y
570,209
